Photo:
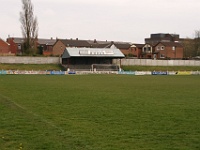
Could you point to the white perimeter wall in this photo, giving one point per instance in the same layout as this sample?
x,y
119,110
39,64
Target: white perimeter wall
x,y
150,62
29,60
124,62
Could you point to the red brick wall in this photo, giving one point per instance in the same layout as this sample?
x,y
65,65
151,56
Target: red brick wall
x,y
48,50
4,47
177,53
13,46
125,51
58,48
137,52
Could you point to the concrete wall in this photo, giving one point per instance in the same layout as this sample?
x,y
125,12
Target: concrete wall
x,y
29,60
150,62
124,62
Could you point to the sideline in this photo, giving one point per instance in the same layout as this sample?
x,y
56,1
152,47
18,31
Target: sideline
x,y
9,101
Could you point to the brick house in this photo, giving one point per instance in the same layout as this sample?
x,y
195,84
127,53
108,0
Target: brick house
x,y
4,47
147,51
45,46
16,44
124,47
168,50
136,50
61,45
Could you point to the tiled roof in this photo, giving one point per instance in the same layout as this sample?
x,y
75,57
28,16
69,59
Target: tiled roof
x,y
171,44
18,40
139,45
75,43
46,41
40,41
98,44
120,45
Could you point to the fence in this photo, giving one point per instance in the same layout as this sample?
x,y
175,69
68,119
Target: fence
x,y
150,62
29,60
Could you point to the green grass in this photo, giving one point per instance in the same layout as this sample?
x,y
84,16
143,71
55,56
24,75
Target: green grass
x,y
161,68
99,112
30,67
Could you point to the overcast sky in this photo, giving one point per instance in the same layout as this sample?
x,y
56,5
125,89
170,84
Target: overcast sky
x,y
117,20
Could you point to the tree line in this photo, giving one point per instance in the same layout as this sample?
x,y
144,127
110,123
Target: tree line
x,y
192,46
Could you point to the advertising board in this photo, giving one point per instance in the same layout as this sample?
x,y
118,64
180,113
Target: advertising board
x,y
127,72
159,73
184,73
2,72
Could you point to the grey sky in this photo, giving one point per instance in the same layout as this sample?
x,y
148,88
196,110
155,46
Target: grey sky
x,y
119,20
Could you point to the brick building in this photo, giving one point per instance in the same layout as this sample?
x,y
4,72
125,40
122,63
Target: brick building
x,y
169,50
124,47
43,45
4,47
16,44
136,50
147,51
164,46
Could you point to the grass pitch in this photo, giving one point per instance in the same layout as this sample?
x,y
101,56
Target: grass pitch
x,y
95,112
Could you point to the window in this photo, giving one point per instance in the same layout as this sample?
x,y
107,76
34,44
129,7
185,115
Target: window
x,y
162,47
162,56
158,48
173,48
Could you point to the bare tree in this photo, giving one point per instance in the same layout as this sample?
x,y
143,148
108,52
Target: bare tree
x,y
188,45
29,26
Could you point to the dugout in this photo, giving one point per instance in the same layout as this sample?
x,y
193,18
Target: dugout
x,y
91,58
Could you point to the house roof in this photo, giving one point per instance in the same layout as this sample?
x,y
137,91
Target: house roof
x,y
138,45
40,41
75,43
4,41
120,45
101,45
46,41
170,44
98,44
92,52
18,40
